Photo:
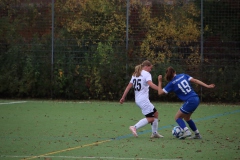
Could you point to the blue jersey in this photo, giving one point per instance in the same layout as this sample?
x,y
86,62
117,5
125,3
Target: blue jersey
x,y
180,85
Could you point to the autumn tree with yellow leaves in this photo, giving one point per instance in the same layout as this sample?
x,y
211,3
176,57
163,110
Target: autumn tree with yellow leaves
x,y
96,44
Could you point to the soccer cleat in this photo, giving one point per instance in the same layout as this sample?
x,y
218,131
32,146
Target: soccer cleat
x,y
197,136
134,131
185,134
156,135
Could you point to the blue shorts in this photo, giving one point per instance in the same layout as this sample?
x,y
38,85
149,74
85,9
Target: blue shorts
x,y
190,105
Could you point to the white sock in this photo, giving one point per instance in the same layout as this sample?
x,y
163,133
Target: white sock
x,y
196,132
141,123
185,129
155,125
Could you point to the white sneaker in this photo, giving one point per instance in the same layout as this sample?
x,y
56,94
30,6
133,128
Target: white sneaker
x,y
156,135
185,134
196,136
134,131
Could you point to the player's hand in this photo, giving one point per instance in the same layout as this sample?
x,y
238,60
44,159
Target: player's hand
x,y
160,78
121,100
211,86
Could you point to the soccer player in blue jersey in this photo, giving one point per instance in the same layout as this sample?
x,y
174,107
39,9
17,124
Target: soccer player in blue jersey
x,y
180,85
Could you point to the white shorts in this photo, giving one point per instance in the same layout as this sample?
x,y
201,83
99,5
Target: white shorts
x,y
146,106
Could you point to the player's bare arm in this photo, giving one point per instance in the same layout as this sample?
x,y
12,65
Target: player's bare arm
x,y
152,85
202,83
160,90
129,86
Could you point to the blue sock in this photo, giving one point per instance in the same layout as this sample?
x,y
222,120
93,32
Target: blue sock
x,y
181,123
192,125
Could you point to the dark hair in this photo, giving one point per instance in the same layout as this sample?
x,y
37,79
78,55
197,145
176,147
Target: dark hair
x,y
170,72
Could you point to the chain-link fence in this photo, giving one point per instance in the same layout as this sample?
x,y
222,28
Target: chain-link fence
x,y
87,49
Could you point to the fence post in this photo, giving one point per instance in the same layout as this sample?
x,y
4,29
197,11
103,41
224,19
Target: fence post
x,y
201,43
52,49
127,25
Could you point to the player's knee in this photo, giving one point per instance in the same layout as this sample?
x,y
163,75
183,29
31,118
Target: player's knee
x,y
150,119
177,116
187,118
156,115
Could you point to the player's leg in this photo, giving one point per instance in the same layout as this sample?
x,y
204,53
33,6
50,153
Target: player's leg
x,y
179,119
149,118
183,112
193,104
138,125
190,122
141,122
154,124
193,127
191,107
153,116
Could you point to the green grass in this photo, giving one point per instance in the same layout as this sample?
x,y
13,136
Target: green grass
x,y
99,130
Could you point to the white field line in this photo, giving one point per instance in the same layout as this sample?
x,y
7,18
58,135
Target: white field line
x,y
71,102
66,101
14,102
79,157
37,101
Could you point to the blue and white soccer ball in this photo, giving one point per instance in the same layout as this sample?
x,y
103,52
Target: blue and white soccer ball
x,y
177,131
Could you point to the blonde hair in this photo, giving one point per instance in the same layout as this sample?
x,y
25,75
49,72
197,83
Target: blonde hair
x,y
146,63
139,67
137,71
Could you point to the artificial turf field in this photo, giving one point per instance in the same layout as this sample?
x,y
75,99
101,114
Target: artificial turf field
x,y
99,130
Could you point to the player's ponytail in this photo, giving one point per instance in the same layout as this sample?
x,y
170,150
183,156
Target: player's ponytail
x,y
170,72
137,71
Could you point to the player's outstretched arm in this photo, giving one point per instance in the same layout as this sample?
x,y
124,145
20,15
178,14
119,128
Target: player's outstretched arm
x,y
152,85
202,83
129,86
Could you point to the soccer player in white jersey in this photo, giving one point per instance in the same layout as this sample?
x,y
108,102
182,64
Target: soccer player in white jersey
x,y
180,85
140,82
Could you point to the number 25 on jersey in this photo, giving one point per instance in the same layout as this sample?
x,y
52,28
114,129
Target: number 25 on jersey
x,y
137,84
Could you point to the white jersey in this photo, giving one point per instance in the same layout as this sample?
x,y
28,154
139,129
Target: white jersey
x,y
141,91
